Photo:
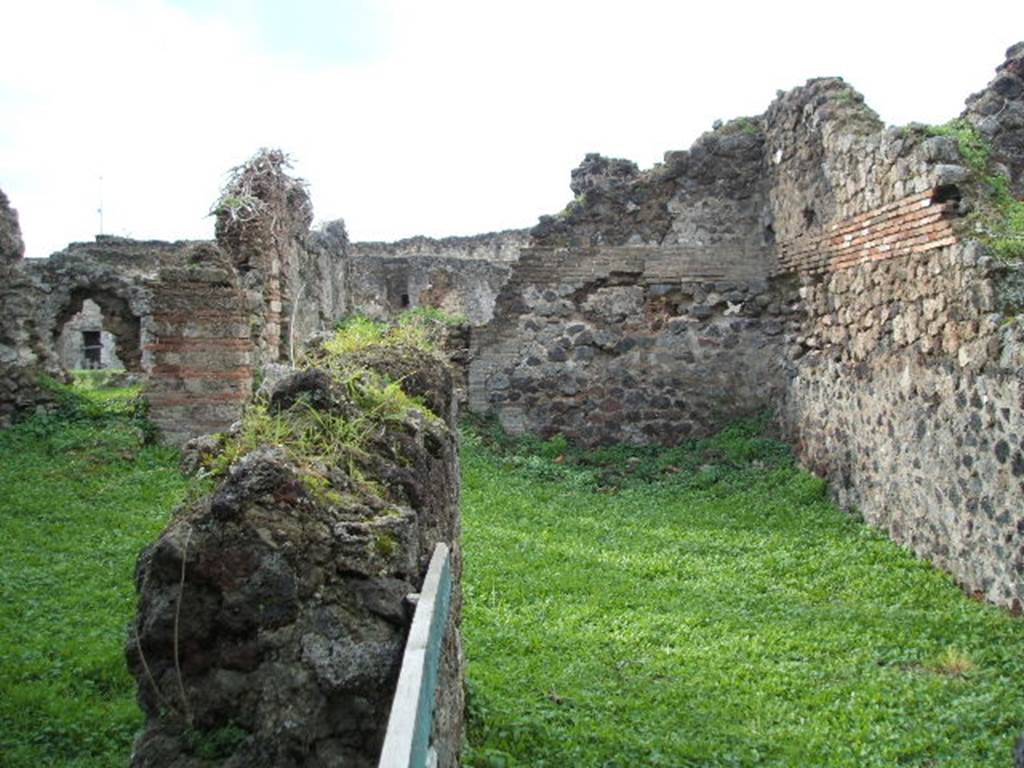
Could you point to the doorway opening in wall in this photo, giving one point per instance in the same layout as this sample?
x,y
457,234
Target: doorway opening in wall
x,y
97,330
92,348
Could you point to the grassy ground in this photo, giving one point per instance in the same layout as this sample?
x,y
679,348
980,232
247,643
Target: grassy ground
x,y
80,495
707,607
702,606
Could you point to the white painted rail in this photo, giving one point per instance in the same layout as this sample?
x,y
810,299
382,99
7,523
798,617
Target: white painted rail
x,y
407,741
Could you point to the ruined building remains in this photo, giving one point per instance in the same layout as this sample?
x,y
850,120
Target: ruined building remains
x,y
809,260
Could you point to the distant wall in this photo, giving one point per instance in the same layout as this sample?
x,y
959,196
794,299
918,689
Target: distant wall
x,y
74,353
459,275
384,287
630,344
492,246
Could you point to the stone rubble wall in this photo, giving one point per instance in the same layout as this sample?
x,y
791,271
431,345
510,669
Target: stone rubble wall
x,y
12,248
630,315
931,453
293,593
997,112
906,389
909,401
630,344
19,362
382,287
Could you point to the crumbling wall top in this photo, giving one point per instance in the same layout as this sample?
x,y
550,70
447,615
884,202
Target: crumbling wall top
x,y
12,247
997,112
501,246
260,208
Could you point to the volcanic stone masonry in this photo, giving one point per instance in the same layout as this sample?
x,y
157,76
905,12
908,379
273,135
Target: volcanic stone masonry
x,y
272,613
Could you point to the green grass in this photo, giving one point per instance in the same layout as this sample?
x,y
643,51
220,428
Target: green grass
x,y
707,606
699,606
417,328
80,495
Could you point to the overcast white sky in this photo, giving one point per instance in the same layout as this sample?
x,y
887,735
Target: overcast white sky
x,y
421,116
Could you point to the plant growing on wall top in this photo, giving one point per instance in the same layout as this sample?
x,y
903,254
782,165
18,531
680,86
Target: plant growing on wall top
x,y
1000,218
261,206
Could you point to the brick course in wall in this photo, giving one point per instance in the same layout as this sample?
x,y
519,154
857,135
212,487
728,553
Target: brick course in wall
x,y
202,353
914,224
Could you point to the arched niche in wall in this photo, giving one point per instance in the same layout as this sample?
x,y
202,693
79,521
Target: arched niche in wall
x,y
117,319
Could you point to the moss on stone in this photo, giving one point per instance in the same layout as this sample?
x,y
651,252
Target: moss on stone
x,y
1000,216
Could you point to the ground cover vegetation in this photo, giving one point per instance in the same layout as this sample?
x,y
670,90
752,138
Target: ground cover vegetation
x,y
701,605
82,490
707,606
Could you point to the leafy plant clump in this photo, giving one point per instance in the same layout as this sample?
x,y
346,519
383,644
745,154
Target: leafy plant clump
x,y
362,403
416,328
1001,218
216,744
745,125
574,206
430,317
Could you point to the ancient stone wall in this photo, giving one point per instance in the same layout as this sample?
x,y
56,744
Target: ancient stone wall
x,y
907,380
11,246
382,287
997,112
810,260
459,275
41,295
631,314
291,276
319,273
910,402
630,344
20,363
493,246
175,312
291,583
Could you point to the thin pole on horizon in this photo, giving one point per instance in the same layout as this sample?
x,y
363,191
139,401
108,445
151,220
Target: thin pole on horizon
x,y
99,210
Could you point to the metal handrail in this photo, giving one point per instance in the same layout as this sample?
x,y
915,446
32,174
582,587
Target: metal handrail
x,y
407,741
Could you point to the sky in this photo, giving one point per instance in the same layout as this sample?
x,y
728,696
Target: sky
x,y
434,117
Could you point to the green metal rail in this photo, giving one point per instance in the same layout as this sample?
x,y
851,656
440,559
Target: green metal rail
x,y
407,741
